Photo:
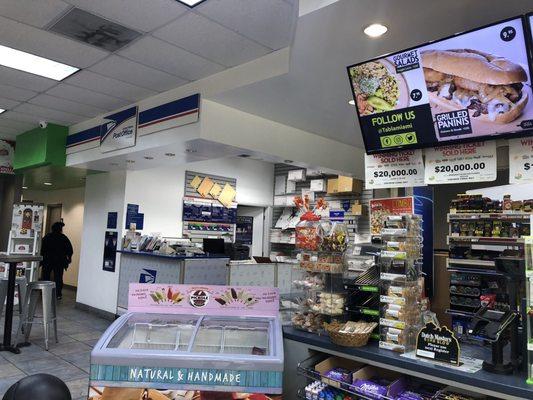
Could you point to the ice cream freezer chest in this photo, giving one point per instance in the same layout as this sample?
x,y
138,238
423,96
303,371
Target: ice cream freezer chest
x,y
191,342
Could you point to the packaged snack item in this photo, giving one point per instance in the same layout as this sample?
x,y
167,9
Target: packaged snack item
x,y
340,374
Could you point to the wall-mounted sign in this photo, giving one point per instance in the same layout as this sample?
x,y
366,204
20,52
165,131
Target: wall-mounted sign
x,y
112,219
396,169
381,208
462,163
521,160
7,152
244,231
472,86
119,131
110,251
438,344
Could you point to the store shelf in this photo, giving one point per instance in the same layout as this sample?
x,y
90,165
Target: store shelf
x,y
497,216
474,262
459,313
465,295
500,386
486,240
475,271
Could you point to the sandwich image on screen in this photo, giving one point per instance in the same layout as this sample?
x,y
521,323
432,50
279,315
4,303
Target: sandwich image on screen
x,y
491,88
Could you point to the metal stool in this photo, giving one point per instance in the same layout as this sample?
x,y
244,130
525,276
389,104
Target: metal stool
x,y
48,295
21,283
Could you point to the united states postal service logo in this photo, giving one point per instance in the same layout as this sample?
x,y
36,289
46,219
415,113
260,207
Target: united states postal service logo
x,y
119,130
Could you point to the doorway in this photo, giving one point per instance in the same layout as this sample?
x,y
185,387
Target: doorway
x,y
256,218
53,215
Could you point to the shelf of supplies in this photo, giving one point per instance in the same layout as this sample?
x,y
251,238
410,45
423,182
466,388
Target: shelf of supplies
x,y
465,294
499,216
458,313
475,271
363,310
486,240
467,261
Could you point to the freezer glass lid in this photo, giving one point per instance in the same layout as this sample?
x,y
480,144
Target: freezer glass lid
x,y
155,331
233,336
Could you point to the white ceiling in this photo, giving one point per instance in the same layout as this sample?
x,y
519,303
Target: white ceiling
x,y
313,96
178,45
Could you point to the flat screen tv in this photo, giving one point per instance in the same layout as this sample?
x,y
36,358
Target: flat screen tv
x,y
472,86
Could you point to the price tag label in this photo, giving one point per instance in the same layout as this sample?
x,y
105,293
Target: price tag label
x,y
470,162
395,169
521,160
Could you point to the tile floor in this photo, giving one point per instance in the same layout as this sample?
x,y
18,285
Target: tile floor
x,y
69,359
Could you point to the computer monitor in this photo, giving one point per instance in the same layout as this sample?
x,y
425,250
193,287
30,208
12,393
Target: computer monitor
x,y
214,246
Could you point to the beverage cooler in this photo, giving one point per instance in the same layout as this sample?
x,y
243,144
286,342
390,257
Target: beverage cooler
x,y
190,342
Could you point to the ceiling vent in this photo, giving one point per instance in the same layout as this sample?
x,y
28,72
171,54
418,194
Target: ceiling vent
x,y
91,29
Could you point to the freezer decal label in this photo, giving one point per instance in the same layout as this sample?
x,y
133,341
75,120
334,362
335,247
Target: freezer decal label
x,y
186,376
150,297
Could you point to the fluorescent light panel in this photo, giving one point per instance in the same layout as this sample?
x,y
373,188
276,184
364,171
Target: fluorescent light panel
x,y
2,110
190,3
34,64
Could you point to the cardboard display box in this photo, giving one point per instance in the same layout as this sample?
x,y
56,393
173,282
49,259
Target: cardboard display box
x,y
333,362
344,184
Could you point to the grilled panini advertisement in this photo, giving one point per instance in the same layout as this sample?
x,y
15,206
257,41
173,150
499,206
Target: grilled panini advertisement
x,y
469,87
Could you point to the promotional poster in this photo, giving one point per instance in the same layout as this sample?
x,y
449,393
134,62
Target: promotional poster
x,y
381,208
471,86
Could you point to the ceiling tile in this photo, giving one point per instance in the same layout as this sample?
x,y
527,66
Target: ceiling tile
x,y
208,39
110,86
46,44
267,22
57,103
14,93
7,133
6,104
13,77
18,125
31,12
139,14
49,114
169,58
138,74
85,96
21,117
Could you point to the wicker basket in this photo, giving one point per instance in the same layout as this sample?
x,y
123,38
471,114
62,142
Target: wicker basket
x,y
350,339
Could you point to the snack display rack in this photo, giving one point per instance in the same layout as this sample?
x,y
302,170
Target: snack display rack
x,y
361,282
317,282
339,378
400,266
529,305
478,230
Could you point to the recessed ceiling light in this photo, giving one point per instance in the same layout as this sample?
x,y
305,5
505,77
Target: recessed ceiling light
x,y
24,187
375,30
190,3
288,161
130,161
170,154
2,110
351,102
34,64
148,157
191,151
115,164
47,183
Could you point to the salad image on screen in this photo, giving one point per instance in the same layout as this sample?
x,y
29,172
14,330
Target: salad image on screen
x,y
489,86
375,87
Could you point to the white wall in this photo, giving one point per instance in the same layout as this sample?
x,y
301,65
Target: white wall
x,y
159,194
72,201
103,193
159,191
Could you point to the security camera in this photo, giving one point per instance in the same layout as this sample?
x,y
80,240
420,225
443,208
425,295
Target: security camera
x,y
43,124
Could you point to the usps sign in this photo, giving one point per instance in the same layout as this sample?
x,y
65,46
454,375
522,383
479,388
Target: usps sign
x,y
119,130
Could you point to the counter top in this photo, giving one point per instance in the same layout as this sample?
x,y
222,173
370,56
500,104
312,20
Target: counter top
x,y
171,256
493,384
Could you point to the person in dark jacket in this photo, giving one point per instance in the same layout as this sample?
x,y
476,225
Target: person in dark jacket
x,y
57,255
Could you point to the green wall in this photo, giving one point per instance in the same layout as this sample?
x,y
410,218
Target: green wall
x,y
40,147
